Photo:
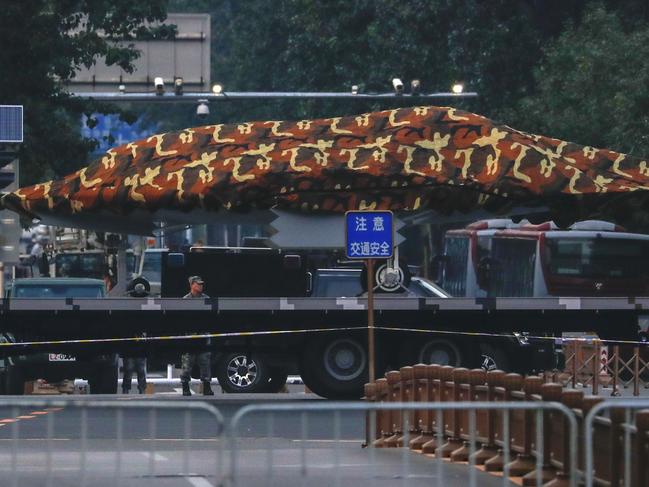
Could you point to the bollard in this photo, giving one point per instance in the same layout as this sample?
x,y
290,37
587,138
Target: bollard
x,y
495,378
422,394
572,399
384,418
396,394
475,377
511,383
444,374
549,393
525,462
428,439
459,376
642,447
406,389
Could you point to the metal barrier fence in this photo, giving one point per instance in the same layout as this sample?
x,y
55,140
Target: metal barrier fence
x,y
599,364
282,461
108,442
625,433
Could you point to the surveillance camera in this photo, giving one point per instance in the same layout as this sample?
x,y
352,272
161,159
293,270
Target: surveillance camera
x,y
415,87
398,86
203,109
159,85
178,86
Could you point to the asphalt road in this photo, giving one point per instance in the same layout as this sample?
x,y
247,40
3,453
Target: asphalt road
x,y
174,441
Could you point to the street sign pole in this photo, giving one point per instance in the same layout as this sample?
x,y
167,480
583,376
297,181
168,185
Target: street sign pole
x,y
370,236
370,319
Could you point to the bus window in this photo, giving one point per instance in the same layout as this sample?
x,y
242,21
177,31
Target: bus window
x,y
456,250
512,271
597,257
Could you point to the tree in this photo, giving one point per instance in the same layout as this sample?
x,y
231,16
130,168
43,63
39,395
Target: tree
x,y
592,86
44,42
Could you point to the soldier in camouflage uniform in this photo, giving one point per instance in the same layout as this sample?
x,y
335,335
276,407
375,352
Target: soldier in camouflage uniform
x,y
203,358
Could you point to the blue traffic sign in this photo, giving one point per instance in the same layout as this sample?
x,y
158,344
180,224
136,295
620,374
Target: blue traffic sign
x,y
370,234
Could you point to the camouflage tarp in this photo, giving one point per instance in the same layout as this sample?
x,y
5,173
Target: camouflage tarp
x,y
402,159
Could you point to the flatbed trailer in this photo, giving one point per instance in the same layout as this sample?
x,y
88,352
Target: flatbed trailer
x,y
325,338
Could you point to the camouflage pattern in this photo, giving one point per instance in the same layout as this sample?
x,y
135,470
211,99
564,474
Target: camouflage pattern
x,y
204,364
137,365
402,159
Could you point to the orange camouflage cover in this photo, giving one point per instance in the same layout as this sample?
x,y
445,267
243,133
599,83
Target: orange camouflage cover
x,y
401,159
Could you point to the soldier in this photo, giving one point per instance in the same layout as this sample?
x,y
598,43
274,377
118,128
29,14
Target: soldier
x,y
137,364
203,358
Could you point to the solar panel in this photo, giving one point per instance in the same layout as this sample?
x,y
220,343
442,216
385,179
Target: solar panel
x,y
11,123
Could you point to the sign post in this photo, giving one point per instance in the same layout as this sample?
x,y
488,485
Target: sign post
x,y
369,236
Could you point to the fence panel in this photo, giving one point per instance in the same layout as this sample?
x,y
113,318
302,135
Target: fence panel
x,y
54,442
617,443
319,449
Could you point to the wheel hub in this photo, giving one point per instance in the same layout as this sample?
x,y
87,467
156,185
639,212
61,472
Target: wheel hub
x,y
344,359
242,372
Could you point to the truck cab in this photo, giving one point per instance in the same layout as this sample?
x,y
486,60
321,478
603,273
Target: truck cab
x,y
100,370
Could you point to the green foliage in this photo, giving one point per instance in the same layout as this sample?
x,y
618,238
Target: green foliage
x,y
43,43
592,86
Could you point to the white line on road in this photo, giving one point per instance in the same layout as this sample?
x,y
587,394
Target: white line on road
x,y
198,482
156,456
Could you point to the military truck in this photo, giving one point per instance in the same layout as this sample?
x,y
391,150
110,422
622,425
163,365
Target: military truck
x,y
100,370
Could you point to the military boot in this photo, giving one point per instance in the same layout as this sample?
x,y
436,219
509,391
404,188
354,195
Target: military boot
x,y
186,390
207,389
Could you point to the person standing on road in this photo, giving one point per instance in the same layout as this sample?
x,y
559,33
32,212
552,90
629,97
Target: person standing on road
x,y
204,358
137,364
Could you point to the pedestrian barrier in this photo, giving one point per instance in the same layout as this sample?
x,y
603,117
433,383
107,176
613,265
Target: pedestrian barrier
x,y
623,434
536,443
82,442
454,426
599,364
421,425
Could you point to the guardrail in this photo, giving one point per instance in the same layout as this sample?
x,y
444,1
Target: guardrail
x,y
404,431
128,447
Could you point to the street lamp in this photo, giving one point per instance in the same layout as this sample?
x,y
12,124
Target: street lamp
x,y
458,88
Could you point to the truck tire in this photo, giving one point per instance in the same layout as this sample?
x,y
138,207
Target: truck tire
x,y
14,380
239,372
335,367
277,380
104,380
433,350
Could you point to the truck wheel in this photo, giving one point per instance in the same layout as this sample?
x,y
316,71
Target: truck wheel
x,y
335,367
14,380
240,372
277,380
104,380
441,351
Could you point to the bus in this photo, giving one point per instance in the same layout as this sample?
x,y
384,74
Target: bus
x,y
500,258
